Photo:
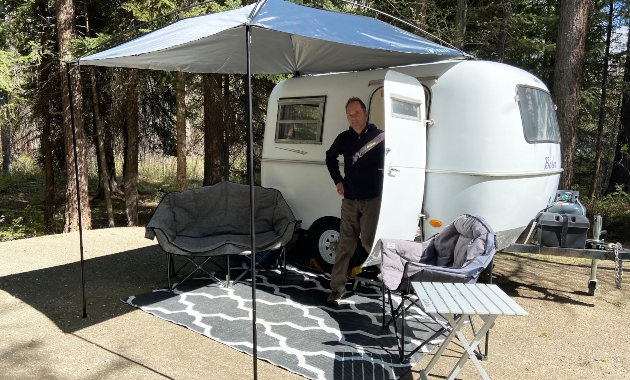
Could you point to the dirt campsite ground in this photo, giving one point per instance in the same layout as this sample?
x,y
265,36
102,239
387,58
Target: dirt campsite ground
x,y
568,334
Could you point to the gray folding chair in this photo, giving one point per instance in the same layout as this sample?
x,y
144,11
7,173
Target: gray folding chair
x,y
458,254
214,221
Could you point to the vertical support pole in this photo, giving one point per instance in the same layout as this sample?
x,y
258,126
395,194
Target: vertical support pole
x,y
250,172
383,304
169,270
402,329
490,268
227,271
76,177
284,265
597,231
592,283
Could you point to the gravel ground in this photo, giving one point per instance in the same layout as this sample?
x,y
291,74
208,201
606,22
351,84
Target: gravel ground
x,y
568,334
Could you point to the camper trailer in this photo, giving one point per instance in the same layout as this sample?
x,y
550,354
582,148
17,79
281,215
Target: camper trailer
x,y
461,136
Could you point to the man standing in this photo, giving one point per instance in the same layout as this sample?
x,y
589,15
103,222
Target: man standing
x,y
363,153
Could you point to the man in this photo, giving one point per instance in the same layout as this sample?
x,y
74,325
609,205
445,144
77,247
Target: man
x,y
363,152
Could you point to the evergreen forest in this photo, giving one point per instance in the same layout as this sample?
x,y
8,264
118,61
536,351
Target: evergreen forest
x,y
140,133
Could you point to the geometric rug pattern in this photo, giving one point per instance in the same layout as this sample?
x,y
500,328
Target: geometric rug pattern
x,y
295,329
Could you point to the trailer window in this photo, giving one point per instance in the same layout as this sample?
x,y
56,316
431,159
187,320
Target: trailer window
x,y
300,120
538,115
405,110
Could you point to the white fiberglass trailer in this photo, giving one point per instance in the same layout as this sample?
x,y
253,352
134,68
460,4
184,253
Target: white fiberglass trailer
x,y
461,137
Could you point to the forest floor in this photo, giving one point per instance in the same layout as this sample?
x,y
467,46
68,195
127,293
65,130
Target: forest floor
x,y
567,335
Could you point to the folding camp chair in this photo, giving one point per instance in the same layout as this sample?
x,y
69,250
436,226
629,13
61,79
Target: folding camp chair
x,y
458,254
214,221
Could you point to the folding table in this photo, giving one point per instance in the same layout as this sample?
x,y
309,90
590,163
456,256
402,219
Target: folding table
x,y
456,302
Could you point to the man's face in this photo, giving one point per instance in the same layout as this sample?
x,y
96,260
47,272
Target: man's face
x,y
357,117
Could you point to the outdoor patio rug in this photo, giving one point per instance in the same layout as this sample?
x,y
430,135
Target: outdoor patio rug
x,y
295,329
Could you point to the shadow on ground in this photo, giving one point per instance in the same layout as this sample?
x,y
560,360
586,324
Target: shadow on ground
x,y
56,291
530,276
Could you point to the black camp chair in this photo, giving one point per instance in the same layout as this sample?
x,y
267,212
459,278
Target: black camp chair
x,y
458,254
214,221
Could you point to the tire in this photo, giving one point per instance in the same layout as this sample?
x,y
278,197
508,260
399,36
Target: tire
x,y
322,233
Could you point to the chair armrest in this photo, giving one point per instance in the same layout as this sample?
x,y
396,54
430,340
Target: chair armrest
x,y
162,219
438,274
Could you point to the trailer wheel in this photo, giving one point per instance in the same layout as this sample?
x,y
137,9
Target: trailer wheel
x,y
324,236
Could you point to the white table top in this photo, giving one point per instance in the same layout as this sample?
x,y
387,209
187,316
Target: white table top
x,y
470,299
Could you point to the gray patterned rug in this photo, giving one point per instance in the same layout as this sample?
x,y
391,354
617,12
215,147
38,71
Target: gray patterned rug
x,y
295,329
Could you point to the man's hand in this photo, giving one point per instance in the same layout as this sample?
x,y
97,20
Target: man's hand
x,y
340,188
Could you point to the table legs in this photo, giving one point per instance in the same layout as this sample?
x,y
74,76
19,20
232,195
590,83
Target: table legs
x,y
469,348
456,326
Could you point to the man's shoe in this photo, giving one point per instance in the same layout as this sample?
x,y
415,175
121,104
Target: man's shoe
x,y
334,299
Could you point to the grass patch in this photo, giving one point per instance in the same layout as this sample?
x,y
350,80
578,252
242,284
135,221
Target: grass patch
x,y
562,260
619,304
615,211
22,197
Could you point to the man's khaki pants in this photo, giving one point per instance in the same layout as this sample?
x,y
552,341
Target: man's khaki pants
x,y
358,218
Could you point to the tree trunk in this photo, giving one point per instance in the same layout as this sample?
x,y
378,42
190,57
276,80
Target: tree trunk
x,y
620,175
568,79
505,20
180,104
5,136
100,151
131,156
110,160
65,32
47,150
602,105
213,130
44,113
461,19
420,14
103,173
227,123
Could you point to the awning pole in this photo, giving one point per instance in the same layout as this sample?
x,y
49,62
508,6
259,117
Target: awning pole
x,y
250,172
76,178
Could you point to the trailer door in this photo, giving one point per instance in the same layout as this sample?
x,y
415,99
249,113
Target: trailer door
x,y
405,160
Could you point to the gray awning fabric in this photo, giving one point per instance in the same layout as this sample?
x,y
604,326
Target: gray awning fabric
x,y
286,38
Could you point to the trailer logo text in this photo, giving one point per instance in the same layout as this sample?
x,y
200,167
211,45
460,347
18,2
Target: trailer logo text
x,y
550,163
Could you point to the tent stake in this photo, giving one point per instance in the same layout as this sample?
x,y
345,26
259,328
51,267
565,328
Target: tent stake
x,y
76,178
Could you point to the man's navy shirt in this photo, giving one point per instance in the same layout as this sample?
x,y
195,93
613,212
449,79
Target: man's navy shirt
x,y
363,179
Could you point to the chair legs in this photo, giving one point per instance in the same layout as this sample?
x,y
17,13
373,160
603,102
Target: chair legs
x,y
400,312
282,266
170,268
383,306
198,267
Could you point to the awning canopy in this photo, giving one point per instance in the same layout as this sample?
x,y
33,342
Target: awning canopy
x,y
285,38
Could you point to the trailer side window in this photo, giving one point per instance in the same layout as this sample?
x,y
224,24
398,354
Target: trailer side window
x,y
538,115
405,109
300,120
